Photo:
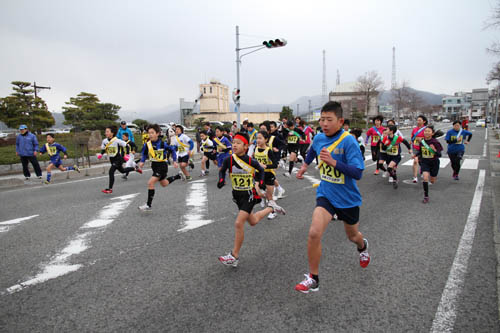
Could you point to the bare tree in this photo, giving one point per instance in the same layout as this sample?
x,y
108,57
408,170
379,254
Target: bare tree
x,y
494,74
369,84
415,104
399,97
494,23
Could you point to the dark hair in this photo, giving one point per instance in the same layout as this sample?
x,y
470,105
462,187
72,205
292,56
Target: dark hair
x,y
156,128
264,134
334,107
347,122
52,135
243,134
379,117
391,120
181,128
113,129
302,123
220,128
206,123
393,128
356,132
225,129
456,122
424,118
204,132
266,124
272,122
290,123
284,118
125,134
234,122
245,122
298,118
250,125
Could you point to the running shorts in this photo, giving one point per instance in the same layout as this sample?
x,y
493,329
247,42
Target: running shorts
x,y
183,159
348,215
160,170
244,201
430,165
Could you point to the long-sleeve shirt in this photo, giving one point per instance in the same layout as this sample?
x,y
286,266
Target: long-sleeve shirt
x,y
126,130
376,135
226,165
159,153
456,141
26,144
425,153
54,151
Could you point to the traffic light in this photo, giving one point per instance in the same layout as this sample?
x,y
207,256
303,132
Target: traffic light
x,y
274,43
236,96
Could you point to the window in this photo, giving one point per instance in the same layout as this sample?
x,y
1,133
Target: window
x,y
204,90
458,101
210,89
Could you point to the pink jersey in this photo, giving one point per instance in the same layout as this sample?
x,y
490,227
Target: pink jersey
x,y
416,138
375,137
308,131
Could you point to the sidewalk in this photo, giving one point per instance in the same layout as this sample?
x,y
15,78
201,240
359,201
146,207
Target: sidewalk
x,y
494,149
12,175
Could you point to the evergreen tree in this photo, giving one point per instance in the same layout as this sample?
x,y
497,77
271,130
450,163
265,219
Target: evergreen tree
x,y
286,111
86,112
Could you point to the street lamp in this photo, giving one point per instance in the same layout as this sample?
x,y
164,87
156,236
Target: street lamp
x,y
265,45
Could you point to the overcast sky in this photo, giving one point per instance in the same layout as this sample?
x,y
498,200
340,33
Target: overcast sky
x,y
148,54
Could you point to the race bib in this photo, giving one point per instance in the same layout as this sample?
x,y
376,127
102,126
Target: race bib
x,y
242,182
459,139
52,150
158,155
181,149
426,153
393,151
375,138
293,139
331,175
112,151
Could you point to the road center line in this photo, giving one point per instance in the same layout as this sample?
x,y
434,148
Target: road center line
x,y
59,265
446,313
19,220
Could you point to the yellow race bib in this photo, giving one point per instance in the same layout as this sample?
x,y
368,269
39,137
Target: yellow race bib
x,y
426,153
375,138
331,175
293,139
393,151
241,181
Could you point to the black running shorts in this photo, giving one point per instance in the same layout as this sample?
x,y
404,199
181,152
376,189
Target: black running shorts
x,y
244,201
292,148
183,159
375,150
160,170
430,165
269,178
395,159
348,215
211,156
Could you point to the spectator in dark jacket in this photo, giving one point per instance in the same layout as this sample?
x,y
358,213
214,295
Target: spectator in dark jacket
x,y
26,149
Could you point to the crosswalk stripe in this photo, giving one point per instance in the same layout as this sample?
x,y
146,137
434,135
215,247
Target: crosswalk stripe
x,y
472,164
443,162
408,163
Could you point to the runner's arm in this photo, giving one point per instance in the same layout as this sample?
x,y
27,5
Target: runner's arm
x,y
222,172
260,180
311,155
349,170
272,156
406,143
144,153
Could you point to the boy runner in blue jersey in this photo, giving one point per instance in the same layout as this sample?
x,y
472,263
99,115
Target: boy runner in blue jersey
x,y
341,164
456,138
54,149
223,146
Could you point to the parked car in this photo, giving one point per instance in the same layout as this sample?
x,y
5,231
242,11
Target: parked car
x,y
134,128
3,135
446,120
214,124
481,123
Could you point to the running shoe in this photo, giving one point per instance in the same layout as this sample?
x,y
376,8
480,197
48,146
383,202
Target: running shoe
x,y
40,177
276,208
26,178
107,191
182,175
385,174
391,180
206,172
271,216
394,184
281,193
426,200
456,177
124,177
77,169
376,172
287,174
189,178
335,217
139,170
46,182
191,163
415,180
202,174
364,257
263,203
145,208
307,285
229,260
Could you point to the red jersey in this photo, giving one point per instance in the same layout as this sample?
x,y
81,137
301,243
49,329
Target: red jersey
x,y
375,134
416,136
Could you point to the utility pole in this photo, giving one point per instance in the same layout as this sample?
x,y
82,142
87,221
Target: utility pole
x,y
298,105
238,63
38,87
36,96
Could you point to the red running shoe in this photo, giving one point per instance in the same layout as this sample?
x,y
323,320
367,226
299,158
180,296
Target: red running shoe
x,y
139,170
364,257
107,191
376,172
309,284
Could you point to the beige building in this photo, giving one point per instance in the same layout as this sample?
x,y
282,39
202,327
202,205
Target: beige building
x,y
214,106
352,100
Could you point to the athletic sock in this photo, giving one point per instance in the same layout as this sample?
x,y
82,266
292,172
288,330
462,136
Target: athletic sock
x,y
426,188
171,179
392,173
48,176
290,167
70,168
151,194
315,278
207,164
364,247
382,167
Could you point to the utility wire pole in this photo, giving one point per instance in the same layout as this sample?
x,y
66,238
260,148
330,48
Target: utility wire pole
x,y
38,87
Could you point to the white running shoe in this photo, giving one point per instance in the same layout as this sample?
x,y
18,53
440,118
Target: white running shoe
x,y
271,216
145,208
263,203
391,180
183,176
281,192
286,174
384,174
415,180
276,208
229,260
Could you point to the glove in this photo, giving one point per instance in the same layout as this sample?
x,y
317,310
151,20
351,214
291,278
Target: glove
x,y
262,186
99,156
126,158
221,183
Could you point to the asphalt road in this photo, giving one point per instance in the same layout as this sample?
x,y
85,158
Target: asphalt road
x,y
158,271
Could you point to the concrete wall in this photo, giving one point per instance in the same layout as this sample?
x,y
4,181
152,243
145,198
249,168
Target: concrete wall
x,y
254,117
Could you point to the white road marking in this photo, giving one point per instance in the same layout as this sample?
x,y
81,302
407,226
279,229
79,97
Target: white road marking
x,y
312,179
58,265
19,220
4,229
443,162
196,210
486,135
471,164
446,311
484,149
408,163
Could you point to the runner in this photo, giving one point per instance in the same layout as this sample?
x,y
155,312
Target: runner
x,y
209,153
304,144
294,135
211,135
277,144
114,148
392,145
347,125
340,166
429,154
241,171
53,149
268,161
223,146
382,154
185,148
416,136
375,132
156,151
357,132
252,133
455,138
132,148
